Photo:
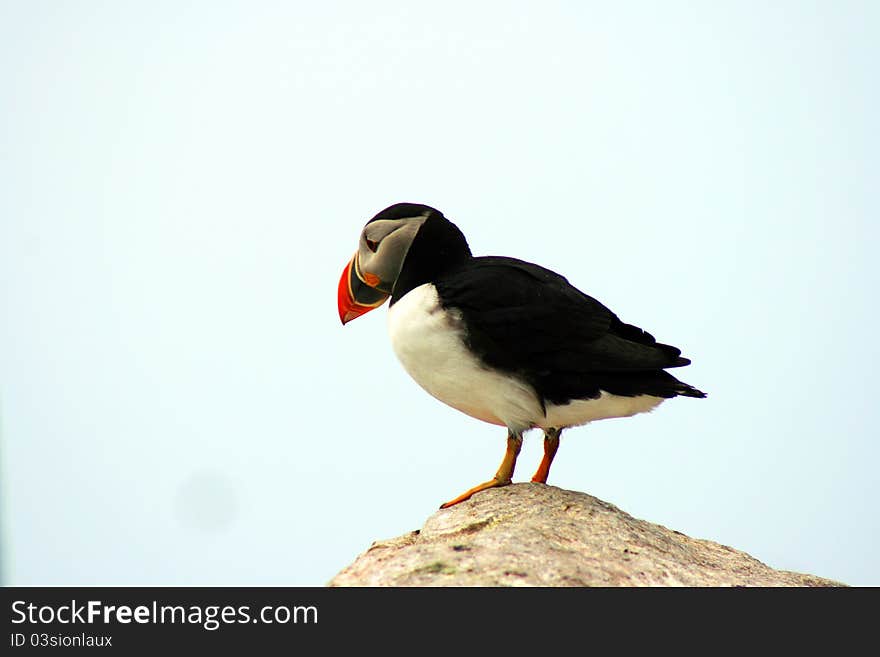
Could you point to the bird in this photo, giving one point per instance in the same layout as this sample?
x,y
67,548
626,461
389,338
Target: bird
x,y
500,339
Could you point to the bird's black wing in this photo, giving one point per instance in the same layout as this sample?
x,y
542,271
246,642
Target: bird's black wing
x,y
527,320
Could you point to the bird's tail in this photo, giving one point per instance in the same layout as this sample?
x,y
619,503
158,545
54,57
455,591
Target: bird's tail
x,y
685,390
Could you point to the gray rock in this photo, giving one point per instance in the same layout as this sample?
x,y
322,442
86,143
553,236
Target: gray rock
x,y
537,535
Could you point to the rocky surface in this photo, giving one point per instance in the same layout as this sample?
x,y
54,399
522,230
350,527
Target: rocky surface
x,y
537,535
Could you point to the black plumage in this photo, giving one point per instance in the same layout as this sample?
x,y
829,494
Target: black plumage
x,y
528,321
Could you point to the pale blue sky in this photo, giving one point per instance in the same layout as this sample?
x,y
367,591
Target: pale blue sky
x,y
182,183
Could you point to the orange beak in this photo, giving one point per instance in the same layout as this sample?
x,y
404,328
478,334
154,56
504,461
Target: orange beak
x,y
355,296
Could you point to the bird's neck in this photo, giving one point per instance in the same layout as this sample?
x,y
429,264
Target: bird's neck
x,y
438,247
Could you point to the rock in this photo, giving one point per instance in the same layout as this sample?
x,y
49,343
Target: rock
x,y
538,535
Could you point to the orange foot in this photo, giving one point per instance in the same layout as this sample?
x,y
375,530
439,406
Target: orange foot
x,y
504,475
551,444
492,483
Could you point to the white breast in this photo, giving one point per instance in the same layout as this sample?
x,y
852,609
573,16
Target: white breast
x,y
427,340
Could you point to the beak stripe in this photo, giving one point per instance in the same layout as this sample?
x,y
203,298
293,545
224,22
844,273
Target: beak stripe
x,y
355,297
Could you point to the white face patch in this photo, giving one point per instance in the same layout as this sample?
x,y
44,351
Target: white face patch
x,y
383,247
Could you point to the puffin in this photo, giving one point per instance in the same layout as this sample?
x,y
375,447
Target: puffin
x,y
500,339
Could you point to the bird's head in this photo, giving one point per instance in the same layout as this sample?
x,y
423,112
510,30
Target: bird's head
x,y
371,275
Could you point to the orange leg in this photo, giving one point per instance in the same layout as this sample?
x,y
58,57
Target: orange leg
x,y
504,475
551,444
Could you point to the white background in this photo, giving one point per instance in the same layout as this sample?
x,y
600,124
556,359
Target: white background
x,y
181,184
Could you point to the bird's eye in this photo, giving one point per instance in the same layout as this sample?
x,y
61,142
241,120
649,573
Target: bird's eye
x,y
371,245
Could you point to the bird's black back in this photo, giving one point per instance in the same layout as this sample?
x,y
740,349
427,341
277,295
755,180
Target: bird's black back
x,y
526,320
